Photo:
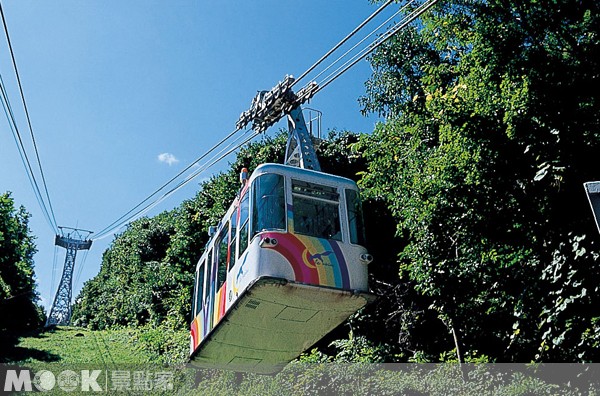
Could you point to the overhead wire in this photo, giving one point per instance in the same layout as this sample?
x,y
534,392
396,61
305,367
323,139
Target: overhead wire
x,y
80,268
50,209
375,44
343,41
189,178
400,10
224,153
133,214
23,155
126,217
53,270
211,162
217,158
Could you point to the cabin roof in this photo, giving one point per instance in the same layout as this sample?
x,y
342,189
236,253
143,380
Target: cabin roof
x,y
304,174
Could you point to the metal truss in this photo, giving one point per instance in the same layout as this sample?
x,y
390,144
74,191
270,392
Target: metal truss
x,y
73,240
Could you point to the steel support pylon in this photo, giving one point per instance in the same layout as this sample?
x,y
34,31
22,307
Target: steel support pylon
x,y
300,151
60,313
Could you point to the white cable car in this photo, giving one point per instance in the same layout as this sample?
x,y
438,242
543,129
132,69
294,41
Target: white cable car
x,y
285,266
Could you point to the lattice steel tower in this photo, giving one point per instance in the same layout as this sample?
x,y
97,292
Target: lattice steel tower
x,y
72,240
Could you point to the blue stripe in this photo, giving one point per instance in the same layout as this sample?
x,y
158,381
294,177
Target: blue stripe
x,y
343,267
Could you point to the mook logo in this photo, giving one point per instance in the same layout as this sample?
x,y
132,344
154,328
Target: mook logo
x,y
44,381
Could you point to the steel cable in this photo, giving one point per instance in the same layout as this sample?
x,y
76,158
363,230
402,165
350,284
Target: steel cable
x,y
343,41
374,45
24,157
124,218
130,216
360,42
37,154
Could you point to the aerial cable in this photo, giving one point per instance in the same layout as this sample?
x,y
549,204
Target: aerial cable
x,y
214,161
130,216
24,157
376,44
216,158
344,40
124,219
37,154
269,106
361,41
22,152
110,227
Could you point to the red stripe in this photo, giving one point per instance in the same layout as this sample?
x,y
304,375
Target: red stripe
x,y
290,247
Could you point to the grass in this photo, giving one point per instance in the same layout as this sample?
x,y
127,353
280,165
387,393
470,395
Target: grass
x,y
72,348
73,345
65,351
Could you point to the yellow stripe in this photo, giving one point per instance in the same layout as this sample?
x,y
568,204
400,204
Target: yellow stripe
x,y
216,308
317,247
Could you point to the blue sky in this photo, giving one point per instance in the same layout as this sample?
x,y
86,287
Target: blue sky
x,y
111,85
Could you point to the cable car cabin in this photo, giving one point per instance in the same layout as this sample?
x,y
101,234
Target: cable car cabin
x,y
285,266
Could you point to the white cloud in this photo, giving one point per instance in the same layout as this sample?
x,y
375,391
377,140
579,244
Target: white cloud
x,y
167,158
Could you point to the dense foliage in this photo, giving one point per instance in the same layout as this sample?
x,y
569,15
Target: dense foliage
x,y
18,299
492,127
372,379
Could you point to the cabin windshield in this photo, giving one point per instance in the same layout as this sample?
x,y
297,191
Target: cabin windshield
x,y
316,210
268,197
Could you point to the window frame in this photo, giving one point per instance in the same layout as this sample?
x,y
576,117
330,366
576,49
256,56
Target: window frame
x,y
233,238
199,288
254,215
311,199
219,260
243,243
361,239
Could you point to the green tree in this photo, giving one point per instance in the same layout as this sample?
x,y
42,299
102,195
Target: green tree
x,y
491,129
18,299
136,285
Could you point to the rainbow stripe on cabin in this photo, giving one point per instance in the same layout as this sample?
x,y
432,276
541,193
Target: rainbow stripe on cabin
x,y
315,261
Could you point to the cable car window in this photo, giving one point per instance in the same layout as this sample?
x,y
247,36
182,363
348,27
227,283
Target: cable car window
x,y
199,289
244,224
316,210
194,299
268,203
233,234
208,280
222,256
355,218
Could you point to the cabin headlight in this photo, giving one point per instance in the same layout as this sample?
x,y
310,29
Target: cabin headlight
x,y
366,258
268,242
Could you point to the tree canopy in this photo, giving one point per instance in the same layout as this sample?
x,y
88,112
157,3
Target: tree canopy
x,y
491,130
18,299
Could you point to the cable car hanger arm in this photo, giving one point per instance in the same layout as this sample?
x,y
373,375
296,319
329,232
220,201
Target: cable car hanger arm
x,y
268,107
